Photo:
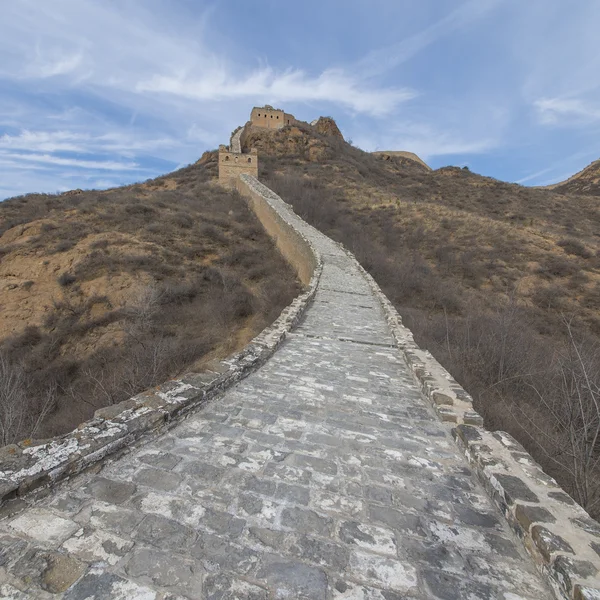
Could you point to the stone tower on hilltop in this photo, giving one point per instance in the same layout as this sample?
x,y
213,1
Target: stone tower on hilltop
x,y
232,161
233,164
270,118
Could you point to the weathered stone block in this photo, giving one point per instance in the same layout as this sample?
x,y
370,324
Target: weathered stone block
x,y
115,410
145,420
43,526
467,434
569,571
290,579
562,497
513,488
223,585
584,592
446,414
111,491
548,543
528,515
98,583
472,418
8,490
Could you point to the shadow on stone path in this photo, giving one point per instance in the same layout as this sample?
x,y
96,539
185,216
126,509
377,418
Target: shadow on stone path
x,y
322,476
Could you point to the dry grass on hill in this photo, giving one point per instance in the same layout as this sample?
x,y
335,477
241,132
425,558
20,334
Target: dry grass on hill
x,y
587,181
104,294
500,282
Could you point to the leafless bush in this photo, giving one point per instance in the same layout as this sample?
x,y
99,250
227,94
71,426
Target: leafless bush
x,y
21,413
557,266
565,424
576,247
66,279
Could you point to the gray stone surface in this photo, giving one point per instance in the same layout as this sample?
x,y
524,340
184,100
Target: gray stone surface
x,y
323,475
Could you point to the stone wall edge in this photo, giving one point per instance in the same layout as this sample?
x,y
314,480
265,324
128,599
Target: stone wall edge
x,y
35,465
560,536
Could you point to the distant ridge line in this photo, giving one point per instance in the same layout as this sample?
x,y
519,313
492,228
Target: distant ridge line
x,y
552,186
403,154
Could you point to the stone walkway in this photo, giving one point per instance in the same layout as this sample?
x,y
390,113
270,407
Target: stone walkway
x,y
322,476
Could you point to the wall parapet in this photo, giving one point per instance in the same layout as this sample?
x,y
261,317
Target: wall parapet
x,y
235,142
294,246
561,537
33,466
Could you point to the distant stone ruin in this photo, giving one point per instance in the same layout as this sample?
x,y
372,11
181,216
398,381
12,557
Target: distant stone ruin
x,y
232,161
270,118
234,164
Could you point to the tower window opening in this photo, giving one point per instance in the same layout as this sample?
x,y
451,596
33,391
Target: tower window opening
x,y
249,160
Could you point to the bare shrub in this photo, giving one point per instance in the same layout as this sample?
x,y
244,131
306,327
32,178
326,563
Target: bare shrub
x,y
565,422
557,266
215,279
575,247
21,413
500,348
66,279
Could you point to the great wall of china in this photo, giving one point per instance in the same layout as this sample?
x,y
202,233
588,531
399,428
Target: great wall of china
x,y
330,459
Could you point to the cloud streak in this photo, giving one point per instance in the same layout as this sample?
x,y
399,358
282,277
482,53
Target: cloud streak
x,y
384,59
561,111
266,85
49,159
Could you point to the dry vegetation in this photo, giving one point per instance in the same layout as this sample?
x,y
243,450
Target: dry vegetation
x,y
586,182
104,294
500,282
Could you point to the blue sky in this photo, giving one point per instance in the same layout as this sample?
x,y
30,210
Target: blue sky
x,y
96,93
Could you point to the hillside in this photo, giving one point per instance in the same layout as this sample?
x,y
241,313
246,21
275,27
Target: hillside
x,y
400,154
499,281
587,182
104,294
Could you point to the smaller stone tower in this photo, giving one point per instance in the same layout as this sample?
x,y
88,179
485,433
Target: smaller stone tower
x,y
233,164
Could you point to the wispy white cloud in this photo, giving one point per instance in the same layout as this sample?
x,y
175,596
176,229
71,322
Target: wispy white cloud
x,y
46,66
534,176
112,142
50,159
266,85
389,57
563,111
144,58
428,140
111,84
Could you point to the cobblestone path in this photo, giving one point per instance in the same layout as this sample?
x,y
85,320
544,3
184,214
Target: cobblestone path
x,y
324,475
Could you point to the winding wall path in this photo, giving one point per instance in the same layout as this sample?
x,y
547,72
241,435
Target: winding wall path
x,y
324,475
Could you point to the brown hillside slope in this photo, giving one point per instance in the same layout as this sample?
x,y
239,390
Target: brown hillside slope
x,y
587,181
484,272
400,154
103,294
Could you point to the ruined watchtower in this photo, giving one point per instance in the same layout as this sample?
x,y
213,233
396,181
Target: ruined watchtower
x,y
232,161
270,118
233,164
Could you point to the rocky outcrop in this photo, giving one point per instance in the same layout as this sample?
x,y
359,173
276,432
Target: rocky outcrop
x,y
327,126
295,140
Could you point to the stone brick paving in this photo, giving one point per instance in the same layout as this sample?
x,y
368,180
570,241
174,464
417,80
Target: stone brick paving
x,y
322,476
